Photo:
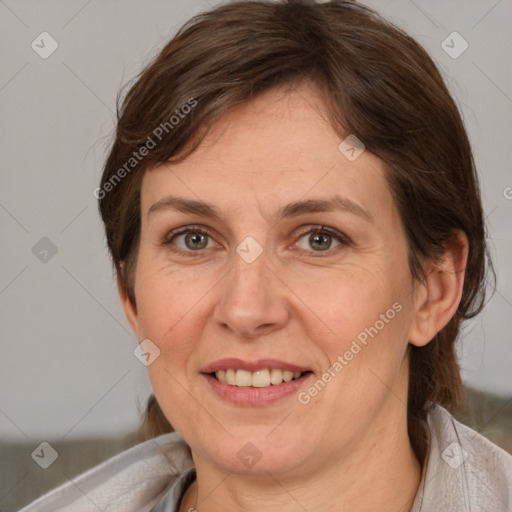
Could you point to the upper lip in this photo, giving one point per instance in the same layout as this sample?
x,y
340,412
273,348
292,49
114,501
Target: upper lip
x,y
251,366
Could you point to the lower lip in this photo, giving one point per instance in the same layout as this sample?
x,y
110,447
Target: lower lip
x,y
255,396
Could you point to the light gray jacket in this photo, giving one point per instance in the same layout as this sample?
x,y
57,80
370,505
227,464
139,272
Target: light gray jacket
x,y
464,472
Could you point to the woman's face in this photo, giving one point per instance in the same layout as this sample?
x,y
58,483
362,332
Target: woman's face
x,y
288,255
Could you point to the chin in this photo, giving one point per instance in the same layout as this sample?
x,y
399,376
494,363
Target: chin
x,y
258,454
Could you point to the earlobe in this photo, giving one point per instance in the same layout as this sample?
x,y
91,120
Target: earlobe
x,y
439,295
130,309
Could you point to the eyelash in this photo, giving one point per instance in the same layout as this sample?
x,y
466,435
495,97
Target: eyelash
x,y
343,239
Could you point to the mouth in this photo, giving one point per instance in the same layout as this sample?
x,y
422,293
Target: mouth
x,y
259,379
254,383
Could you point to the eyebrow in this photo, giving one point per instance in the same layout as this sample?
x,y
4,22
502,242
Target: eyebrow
x,y
204,209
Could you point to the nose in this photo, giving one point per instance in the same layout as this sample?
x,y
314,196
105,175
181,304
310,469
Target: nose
x,y
253,300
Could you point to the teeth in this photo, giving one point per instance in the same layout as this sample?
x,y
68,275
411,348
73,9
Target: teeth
x,y
243,378
259,379
230,377
287,375
276,376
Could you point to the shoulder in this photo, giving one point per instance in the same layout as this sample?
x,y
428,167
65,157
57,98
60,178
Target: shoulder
x,y
464,470
134,480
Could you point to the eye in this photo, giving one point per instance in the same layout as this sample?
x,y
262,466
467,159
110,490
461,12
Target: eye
x,y
188,239
322,239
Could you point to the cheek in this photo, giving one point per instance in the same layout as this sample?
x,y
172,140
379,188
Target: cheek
x,y
352,298
169,312
364,316
167,295
170,315
364,360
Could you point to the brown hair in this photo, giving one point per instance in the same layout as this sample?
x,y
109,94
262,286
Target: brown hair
x,y
377,83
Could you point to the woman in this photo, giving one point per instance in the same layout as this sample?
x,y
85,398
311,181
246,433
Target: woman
x,y
294,217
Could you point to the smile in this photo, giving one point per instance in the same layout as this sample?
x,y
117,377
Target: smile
x,y
254,383
258,379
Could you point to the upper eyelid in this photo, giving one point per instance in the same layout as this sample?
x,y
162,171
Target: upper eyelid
x,y
342,237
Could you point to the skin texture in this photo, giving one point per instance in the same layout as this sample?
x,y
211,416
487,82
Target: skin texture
x,y
347,447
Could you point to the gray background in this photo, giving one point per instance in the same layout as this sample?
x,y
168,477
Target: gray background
x,y
67,367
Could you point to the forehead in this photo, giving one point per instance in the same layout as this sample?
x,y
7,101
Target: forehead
x,y
274,150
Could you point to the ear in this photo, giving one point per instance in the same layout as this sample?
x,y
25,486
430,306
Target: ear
x,y
130,309
438,297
